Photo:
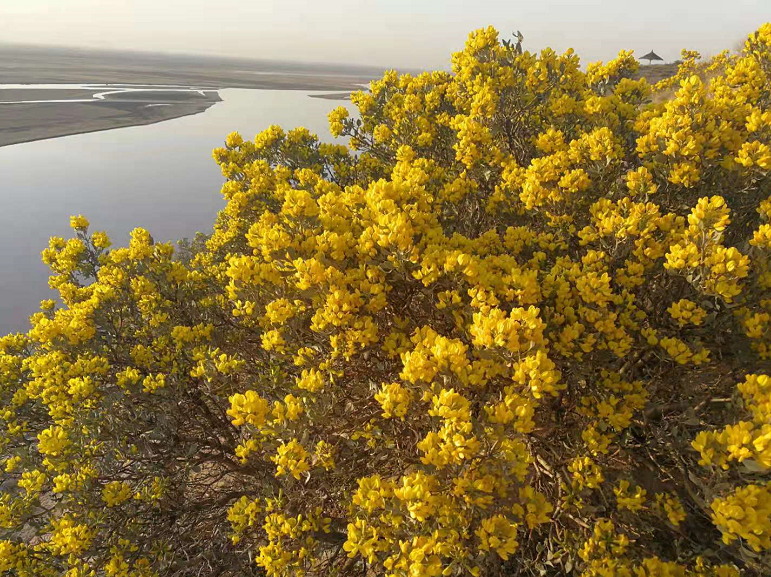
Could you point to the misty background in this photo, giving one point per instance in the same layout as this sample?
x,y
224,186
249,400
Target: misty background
x,y
391,33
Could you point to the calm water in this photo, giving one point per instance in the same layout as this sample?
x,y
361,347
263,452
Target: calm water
x,y
161,177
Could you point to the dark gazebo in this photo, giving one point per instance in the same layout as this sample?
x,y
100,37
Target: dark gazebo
x,y
651,56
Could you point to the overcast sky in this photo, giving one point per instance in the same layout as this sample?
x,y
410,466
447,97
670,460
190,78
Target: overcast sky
x,y
408,33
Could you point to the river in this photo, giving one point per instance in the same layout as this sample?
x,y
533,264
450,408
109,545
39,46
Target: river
x,y
160,177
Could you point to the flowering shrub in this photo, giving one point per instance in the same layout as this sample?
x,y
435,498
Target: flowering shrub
x,y
524,329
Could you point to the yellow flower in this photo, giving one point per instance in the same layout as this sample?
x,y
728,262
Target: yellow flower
x,y
248,408
53,441
394,399
745,514
116,492
291,458
672,507
100,240
336,120
79,222
498,534
628,497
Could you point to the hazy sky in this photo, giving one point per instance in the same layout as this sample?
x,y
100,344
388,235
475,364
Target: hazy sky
x,y
409,33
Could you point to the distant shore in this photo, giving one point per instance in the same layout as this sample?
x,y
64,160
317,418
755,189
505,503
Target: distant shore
x,y
27,122
31,64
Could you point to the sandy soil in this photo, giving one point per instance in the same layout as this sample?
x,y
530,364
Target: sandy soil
x,y
38,65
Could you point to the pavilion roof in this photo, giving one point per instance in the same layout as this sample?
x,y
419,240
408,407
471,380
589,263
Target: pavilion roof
x,y
651,56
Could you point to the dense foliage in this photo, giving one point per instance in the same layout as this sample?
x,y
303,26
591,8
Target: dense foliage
x,y
523,327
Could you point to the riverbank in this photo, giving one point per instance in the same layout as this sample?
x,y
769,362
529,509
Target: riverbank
x,y
28,114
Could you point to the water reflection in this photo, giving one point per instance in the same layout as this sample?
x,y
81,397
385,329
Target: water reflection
x,y
160,176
